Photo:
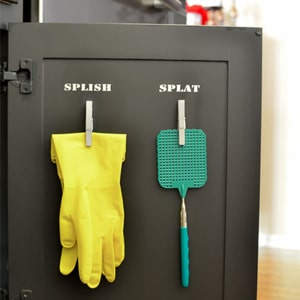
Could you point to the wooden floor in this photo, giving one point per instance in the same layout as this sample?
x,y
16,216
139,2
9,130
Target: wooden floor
x,y
278,274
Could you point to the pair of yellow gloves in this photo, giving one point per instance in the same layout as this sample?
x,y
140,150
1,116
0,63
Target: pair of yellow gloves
x,y
91,216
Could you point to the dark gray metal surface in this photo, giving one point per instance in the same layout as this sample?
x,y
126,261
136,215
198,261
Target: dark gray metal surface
x,y
11,13
136,59
3,169
104,11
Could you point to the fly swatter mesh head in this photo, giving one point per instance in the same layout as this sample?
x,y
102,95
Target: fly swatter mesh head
x,y
176,163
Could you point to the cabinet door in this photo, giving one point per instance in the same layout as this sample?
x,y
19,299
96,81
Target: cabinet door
x,y
134,74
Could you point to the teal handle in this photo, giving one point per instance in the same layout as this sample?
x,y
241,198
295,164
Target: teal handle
x,y
184,246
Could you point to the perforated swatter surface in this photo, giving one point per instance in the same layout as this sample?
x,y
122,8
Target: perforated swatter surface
x,y
181,164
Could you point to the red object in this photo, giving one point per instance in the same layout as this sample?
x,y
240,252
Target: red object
x,y
198,9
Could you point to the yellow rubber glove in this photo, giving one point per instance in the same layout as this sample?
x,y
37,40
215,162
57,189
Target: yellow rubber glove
x,y
91,214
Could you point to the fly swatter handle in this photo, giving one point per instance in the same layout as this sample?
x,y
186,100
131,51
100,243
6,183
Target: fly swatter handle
x,y
184,247
184,244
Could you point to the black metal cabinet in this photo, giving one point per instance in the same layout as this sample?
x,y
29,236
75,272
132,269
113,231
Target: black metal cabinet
x,y
143,70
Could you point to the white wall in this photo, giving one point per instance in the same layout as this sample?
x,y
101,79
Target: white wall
x,y
280,166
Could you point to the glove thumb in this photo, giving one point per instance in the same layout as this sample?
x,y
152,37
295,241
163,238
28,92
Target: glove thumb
x,y
68,260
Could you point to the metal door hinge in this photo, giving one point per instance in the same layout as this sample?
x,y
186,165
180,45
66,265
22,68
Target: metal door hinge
x,y
22,77
26,295
3,294
23,295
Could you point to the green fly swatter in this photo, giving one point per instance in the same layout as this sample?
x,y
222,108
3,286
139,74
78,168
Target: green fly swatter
x,y
182,167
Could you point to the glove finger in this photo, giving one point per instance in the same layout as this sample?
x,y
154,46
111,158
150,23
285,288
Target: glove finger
x,y
118,230
68,260
67,233
84,233
118,246
66,226
109,264
95,277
